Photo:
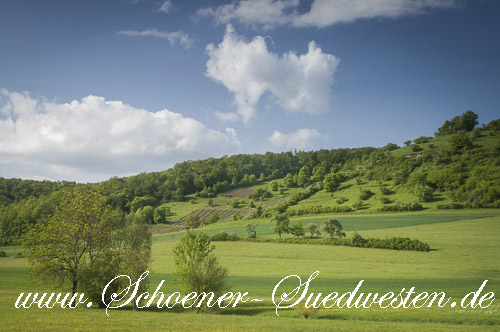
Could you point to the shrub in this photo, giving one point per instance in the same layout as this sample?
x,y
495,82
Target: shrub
x,y
365,194
3,253
414,206
385,200
223,236
450,206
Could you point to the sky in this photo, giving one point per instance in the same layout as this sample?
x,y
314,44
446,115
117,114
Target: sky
x,y
95,89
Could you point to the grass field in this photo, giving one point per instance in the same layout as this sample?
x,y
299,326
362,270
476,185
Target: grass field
x,y
466,246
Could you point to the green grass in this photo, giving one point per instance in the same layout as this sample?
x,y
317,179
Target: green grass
x,y
466,242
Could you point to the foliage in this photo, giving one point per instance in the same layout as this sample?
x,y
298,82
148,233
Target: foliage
x,y
312,229
197,268
333,227
332,181
260,194
193,221
304,176
365,194
297,229
214,217
274,185
76,237
414,206
281,224
223,236
459,142
465,122
422,139
251,230
306,311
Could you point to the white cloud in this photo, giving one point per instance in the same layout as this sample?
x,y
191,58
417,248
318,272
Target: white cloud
x,y
165,7
177,36
92,138
302,139
264,12
327,12
322,13
300,83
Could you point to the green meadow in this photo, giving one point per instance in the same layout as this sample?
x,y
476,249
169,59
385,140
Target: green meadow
x,y
465,253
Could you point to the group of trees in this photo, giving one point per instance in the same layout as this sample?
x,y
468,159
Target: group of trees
x,y
332,227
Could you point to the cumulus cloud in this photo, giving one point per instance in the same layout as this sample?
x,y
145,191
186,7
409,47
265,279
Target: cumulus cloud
x,y
177,36
300,83
165,7
92,138
321,13
302,139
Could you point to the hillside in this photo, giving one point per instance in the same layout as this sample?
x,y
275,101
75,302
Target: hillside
x,y
458,168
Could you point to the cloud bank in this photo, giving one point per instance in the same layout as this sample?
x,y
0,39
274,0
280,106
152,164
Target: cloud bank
x,y
322,13
93,139
300,83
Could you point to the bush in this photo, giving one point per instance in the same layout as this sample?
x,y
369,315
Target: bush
x,y
414,206
416,148
223,236
260,194
365,194
385,200
450,206
3,253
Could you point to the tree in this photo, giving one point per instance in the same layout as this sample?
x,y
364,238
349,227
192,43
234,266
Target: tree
x,y
312,229
465,122
408,142
130,254
304,176
73,239
193,221
251,230
333,227
297,229
197,268
274,185
459,142
332,182
281,224
288,181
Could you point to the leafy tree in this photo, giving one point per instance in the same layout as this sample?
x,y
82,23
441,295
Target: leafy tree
x,y
130,254
197,268
214,217
288,181
210,202
297,229
262,177
332,182
147,213
333,227
160,214
304,176
251,204
193,221
391,147
235,203
408,142
281,224
252,178
74,238
465,122
312,229
140,202
251,230
274,185
459,142
318,173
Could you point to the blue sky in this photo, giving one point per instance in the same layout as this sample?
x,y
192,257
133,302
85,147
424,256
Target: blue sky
x,y
94,89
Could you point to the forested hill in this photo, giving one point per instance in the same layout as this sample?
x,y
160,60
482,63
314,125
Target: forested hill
x,y
461,160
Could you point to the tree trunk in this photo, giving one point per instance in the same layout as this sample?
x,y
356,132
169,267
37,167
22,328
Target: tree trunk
x,y
73,290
